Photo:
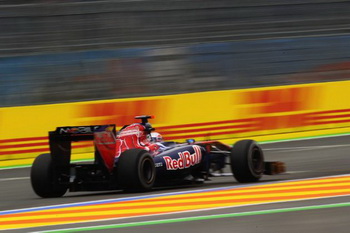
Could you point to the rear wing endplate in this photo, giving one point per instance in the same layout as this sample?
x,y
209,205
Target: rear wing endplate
x,y
61,139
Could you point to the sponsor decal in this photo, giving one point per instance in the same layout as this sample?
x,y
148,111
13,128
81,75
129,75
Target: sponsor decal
x,y
104,138
158,164
124,133
133,129
185,160
77,130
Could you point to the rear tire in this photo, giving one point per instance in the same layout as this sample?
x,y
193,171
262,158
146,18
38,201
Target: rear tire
x,y
44,180
247,161
136,170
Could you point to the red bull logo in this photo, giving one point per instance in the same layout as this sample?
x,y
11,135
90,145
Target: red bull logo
x,y
185,160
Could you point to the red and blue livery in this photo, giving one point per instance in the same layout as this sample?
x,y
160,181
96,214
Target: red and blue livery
x,y
131,159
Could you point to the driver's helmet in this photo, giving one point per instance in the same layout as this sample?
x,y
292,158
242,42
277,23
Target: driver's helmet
x,y
156,137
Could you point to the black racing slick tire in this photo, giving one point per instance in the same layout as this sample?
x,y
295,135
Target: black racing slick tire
x,y
247,161
136,171
44,180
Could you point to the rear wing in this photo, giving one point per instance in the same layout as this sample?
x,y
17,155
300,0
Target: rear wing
x,y
61,139
79,133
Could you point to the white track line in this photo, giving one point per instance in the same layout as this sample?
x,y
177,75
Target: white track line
x,y
14,178
304,148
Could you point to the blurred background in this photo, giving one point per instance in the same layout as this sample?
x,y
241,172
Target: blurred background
x,y
55,51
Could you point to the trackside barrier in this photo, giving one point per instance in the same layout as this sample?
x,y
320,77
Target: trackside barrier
x,y
270,113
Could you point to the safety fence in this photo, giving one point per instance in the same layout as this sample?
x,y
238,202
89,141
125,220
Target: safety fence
x,y
62,51
120,73
41,26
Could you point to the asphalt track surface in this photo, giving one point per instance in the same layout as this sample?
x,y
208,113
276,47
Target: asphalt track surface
x,y
306,160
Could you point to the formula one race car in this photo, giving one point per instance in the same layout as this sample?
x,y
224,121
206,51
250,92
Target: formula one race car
x,y
131,160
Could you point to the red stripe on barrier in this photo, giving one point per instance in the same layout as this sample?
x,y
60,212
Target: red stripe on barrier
x,y
204,124
333,111
25,145
23,139
207,129
329,122
208,134
34,145
327,117
36,150
24,151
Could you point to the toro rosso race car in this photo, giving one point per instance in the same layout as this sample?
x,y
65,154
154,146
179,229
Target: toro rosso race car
x,y
132,160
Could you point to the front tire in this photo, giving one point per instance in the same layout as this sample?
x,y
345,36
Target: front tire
x,y
44,180
247,161
136,170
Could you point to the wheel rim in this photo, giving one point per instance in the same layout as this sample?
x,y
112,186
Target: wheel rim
x,y
257,161
147,171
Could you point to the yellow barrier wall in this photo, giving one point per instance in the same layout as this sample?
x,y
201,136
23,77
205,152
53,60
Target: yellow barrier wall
x,y
270,113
